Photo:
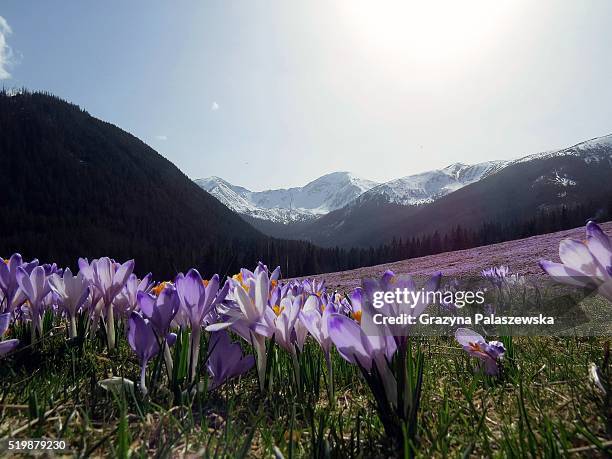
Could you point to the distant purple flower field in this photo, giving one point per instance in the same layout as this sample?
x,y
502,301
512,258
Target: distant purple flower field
x,y
521,256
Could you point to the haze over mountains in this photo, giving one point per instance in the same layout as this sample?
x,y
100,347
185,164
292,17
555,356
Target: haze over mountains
x,y
465,195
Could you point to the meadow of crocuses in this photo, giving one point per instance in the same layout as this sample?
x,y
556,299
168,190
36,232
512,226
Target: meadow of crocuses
x,y
254,366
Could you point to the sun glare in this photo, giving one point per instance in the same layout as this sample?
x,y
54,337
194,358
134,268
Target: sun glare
x,y
424,31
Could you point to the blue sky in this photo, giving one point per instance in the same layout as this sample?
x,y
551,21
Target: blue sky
x,y
276,93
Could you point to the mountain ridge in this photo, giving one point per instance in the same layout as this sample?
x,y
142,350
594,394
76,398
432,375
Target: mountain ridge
x,y
489,191
286,205
341,188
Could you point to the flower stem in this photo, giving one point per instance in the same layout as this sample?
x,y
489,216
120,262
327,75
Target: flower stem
x,y
196,332
296,370
73,327
168,359
143,386
330,381
110,327
259,344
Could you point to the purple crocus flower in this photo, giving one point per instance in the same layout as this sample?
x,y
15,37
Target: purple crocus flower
x,y
13,296
95,296
300,333
72,292
197,300
245,276
197,297
586,264
253,323
282,321
226,360
292,288
52,268
10,344
160,311
250,314
143,342
108,278
489,353
312,287
496,275
35,287
317,323
356,347
355,309
126,300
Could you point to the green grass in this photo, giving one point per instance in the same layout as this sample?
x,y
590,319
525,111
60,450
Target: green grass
x,y
542,405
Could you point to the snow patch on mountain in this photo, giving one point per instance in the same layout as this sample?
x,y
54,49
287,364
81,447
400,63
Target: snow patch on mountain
x,y
319,197
593,150
428,186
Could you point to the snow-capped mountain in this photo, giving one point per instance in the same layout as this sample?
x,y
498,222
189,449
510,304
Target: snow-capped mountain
x,y
533,187
593,150
319,197
339,189
428,186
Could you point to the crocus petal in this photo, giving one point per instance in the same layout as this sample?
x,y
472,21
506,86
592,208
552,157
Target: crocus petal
x,y
171,339
595,379
8,346
141,338
262,290
57,285
564,274
146,303
225,360
593,230
192,293
85,268
576,255
103,276
465,336
247,307
347,336
5,276
122,275
599,245
219,326
275,274
312,303
312,321
5,321
23,279
116,384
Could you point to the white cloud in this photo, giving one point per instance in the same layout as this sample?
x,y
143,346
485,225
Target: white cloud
x,y
5,50
161,137
214,107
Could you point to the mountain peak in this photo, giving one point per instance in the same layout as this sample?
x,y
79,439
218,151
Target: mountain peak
x,y
320,196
